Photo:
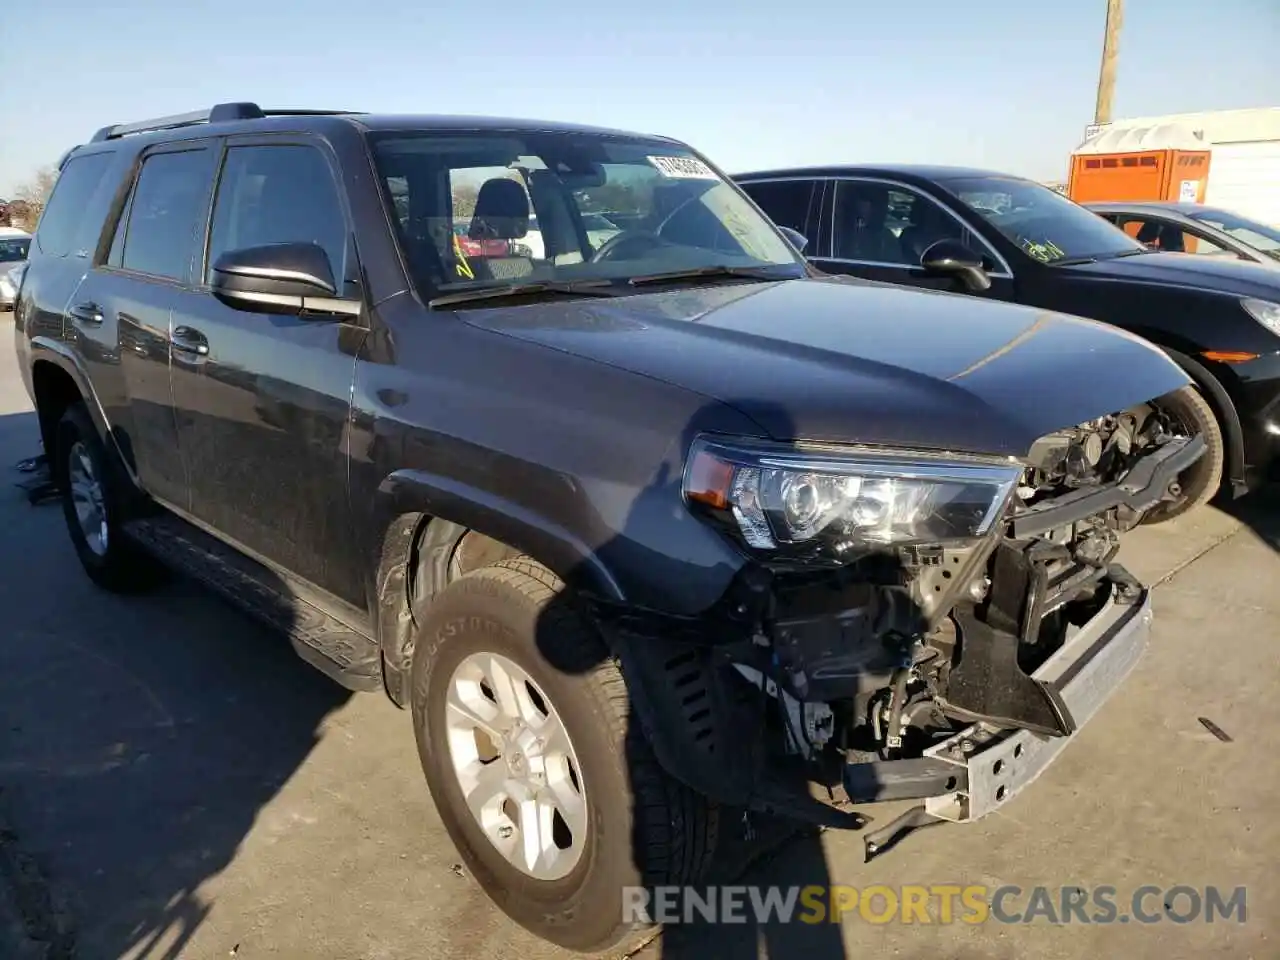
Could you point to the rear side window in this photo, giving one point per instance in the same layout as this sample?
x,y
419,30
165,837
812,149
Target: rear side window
x,y
166,213
785,201
278,194
64,229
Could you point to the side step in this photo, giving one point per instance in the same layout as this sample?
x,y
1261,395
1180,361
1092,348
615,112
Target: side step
x,y
345,655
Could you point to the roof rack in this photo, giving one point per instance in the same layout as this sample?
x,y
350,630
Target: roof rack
x,y
219,113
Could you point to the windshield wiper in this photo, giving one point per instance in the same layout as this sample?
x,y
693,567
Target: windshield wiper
x,y
1072,261
576,288
699,273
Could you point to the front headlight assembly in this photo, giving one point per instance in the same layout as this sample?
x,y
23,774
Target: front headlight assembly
x,y
1264,311
838,503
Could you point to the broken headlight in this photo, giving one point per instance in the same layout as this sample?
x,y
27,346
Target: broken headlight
x,y
839,501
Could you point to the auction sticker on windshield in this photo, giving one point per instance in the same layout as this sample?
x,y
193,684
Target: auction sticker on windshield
x,y
684,168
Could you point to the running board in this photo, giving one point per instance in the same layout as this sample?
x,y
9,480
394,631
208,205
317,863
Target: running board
x,y
332,647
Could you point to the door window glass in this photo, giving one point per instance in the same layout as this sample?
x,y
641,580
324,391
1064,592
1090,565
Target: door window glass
x,y
882,223
166,212
1171,238
785,201
278,194
63,228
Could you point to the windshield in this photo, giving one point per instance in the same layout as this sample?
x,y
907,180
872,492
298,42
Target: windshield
x,y
1257,235
501,209
12,249
1043,223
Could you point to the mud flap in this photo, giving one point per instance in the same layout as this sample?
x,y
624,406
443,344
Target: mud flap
x,y
988,684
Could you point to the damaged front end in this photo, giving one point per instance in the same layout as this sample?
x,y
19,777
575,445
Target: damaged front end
x,y
911,627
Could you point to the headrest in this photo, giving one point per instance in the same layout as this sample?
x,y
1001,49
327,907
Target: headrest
x,y
502,211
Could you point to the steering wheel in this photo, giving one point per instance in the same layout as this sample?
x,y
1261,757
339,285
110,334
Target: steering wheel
x,y
609,249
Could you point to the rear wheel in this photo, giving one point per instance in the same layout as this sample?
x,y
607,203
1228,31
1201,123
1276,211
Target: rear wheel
x,y
552,797
1189,414
93,503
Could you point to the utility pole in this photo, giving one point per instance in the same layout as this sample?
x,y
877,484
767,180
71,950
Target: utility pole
x,y
1110,52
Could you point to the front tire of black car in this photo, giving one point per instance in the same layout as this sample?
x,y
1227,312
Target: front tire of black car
x,y
632,825
1189,412
94,505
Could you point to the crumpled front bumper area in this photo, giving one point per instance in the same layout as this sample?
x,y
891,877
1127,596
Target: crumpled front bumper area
x,y
984,767
712,739
1085,672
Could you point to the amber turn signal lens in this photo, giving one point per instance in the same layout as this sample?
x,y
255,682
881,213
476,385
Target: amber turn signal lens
x,y
709,480
1228,356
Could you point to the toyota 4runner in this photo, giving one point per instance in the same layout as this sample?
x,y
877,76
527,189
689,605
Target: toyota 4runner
x,y
639,530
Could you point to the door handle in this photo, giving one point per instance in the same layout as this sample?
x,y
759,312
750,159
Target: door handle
x,y
87,312
189,340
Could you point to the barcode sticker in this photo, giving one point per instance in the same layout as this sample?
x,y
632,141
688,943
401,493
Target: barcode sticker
x,y
684,168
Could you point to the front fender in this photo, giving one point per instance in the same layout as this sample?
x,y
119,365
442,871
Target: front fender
x,y
423,516
658,557
408,492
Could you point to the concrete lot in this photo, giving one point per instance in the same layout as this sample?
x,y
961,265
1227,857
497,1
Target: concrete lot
x,y
174,782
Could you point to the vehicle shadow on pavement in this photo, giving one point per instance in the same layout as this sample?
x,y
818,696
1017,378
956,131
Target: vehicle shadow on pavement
x,y
140,738
1260,512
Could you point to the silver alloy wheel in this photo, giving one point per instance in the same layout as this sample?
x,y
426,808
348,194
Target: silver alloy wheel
x,y
516,766
88,497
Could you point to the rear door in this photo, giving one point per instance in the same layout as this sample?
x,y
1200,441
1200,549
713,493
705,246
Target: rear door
x,y
262,399
880,229
120,315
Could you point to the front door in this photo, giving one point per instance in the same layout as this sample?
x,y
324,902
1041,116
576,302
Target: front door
x,y
880,231
1170,236
262,400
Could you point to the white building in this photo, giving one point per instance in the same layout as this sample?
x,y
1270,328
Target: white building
x,y
1244,166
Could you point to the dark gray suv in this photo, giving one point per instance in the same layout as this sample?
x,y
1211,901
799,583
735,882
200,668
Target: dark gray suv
x,y
638,529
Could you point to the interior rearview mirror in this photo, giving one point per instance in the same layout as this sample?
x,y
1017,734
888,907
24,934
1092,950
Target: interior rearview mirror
x,y
280,278
953,258
798,239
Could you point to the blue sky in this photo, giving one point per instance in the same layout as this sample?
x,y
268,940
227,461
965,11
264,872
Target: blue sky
x,y
1008,84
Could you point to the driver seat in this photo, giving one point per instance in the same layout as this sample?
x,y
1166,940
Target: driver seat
x,y
502,213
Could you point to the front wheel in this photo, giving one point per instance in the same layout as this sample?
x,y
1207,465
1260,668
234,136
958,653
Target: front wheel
x,y
552,797
1188,414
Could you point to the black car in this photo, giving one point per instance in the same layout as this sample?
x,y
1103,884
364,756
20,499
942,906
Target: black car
x,y
639,529
1194,228
1007,238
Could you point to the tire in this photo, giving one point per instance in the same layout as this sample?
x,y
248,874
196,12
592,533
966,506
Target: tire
x,y
108,557
642,826
1201,481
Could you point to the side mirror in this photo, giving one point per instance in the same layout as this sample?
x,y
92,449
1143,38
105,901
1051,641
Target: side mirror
x,y
798,239
279,278
953,258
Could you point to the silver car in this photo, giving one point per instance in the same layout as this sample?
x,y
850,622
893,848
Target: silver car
x,y
13,259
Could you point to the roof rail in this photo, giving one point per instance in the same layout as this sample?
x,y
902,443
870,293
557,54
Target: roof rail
x,y
219,113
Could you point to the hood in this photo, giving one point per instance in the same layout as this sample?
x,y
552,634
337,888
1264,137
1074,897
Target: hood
x,y
835,361
1223,274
